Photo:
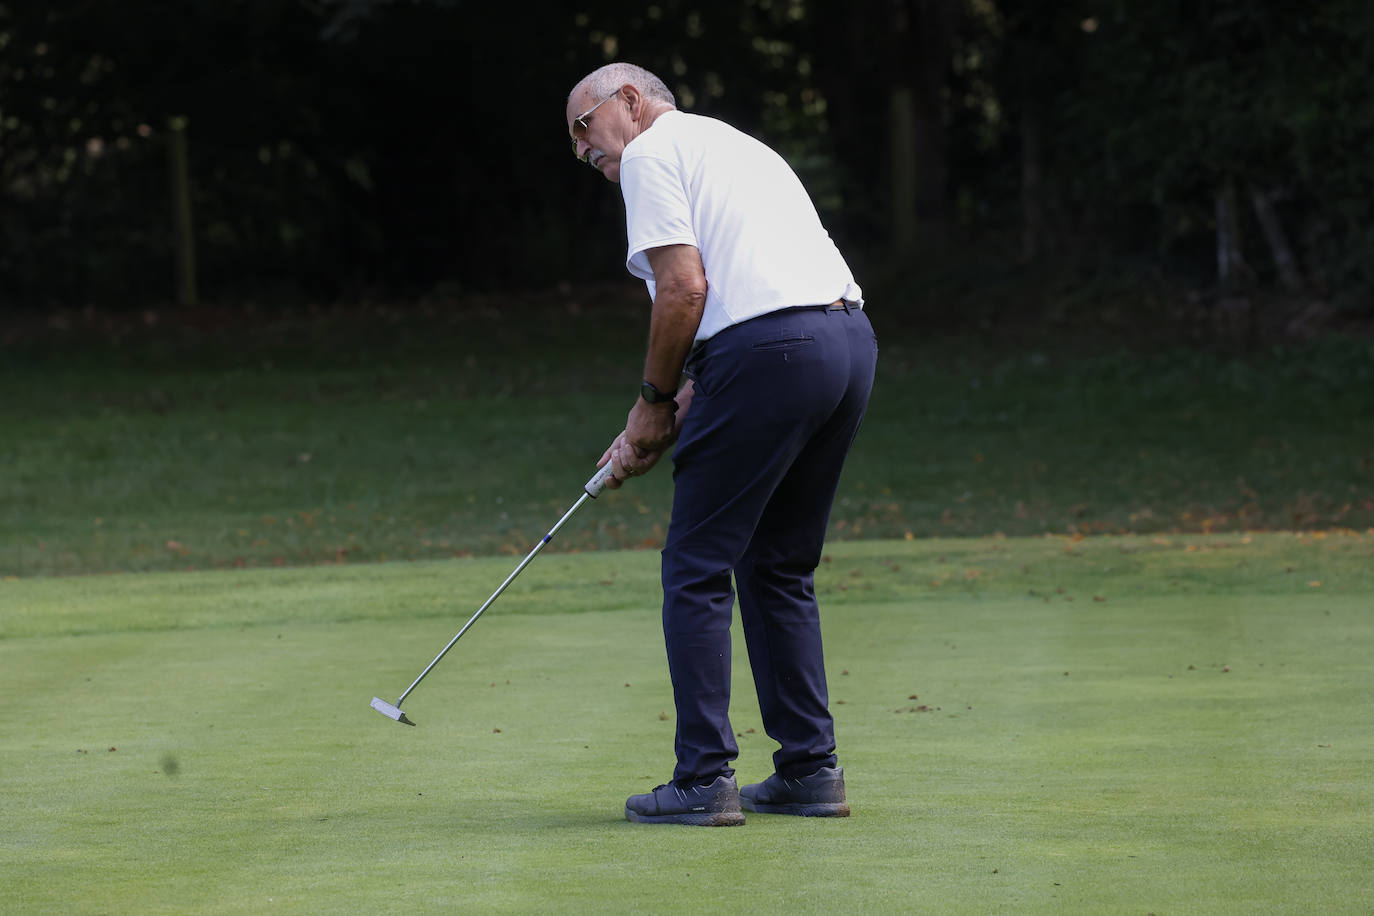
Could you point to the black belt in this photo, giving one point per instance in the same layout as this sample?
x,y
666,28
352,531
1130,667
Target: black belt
x,y
839,305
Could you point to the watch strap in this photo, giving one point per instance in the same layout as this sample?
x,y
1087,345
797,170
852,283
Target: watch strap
x,y
650,392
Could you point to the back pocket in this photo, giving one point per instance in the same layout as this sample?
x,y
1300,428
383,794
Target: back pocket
x,y
783,340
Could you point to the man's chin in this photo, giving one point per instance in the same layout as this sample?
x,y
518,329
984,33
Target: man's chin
x,y
609,169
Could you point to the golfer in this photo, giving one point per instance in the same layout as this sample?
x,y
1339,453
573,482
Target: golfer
x,y
753,303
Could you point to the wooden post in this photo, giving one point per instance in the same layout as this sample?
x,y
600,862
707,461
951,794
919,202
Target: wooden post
x,y
183,234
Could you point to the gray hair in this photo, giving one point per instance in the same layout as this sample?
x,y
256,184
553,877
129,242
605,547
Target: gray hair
x,y
606,80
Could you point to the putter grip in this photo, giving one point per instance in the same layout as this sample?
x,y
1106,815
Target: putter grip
x,y
598,481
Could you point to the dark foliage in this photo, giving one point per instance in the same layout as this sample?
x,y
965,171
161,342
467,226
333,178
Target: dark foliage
x,y
349,148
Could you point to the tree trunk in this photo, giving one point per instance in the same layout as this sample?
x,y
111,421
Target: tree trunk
x,y
857,38
1032,183
920,43
1282,252
1232,271
905,180
183,237
933,32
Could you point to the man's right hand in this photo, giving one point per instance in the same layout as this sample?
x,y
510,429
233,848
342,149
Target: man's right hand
x,y
626,461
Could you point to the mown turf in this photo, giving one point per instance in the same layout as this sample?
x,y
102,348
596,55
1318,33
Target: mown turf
x,y
365,437
1047,725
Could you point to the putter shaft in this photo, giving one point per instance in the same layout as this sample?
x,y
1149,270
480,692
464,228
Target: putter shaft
x,y
590,490
496,594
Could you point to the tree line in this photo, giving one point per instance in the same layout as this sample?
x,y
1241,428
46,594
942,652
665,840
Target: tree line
x,y
331,149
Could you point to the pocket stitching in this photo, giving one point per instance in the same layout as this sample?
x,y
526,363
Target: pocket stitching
x,y
781,342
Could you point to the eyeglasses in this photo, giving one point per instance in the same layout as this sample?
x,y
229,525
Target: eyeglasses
x,y
580,125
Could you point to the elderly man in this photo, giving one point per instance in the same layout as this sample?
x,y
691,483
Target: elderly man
x,y
753,303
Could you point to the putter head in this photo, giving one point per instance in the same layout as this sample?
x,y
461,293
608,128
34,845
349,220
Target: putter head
x,y
391,712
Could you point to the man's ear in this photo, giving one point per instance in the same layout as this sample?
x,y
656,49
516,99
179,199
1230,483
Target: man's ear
x,y
636,100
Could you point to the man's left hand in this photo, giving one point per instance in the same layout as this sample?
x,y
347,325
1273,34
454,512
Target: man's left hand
x,y
628,457
651,427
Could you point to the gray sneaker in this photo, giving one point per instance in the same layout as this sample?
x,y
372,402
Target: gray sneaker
x,y
819,795
714,805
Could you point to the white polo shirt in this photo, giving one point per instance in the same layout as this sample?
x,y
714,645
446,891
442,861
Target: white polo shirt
x,y
692,180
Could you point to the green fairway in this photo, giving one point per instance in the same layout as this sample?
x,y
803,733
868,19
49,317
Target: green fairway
x,y
407,435
1116,724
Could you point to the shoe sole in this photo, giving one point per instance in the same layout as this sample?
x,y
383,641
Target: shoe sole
x,y
817,809
703,819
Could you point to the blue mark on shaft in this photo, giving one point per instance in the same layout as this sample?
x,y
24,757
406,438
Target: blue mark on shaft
x,y
548,537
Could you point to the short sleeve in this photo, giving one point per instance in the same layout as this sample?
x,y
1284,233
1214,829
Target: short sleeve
x,y
657,210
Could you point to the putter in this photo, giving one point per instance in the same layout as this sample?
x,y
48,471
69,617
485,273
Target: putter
x,y
591,490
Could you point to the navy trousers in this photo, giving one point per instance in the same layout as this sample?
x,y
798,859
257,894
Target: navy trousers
x,y
778,401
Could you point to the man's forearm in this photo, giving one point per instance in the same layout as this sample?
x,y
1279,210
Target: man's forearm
x,y
671,330
679,300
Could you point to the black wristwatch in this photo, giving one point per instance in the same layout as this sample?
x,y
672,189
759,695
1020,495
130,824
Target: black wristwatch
x,y
649,392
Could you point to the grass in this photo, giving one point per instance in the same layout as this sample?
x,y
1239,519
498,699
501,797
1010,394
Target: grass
x,y
1070,671
226,440
1111,724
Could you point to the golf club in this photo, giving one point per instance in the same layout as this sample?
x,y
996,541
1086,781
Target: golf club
x,y
591,490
